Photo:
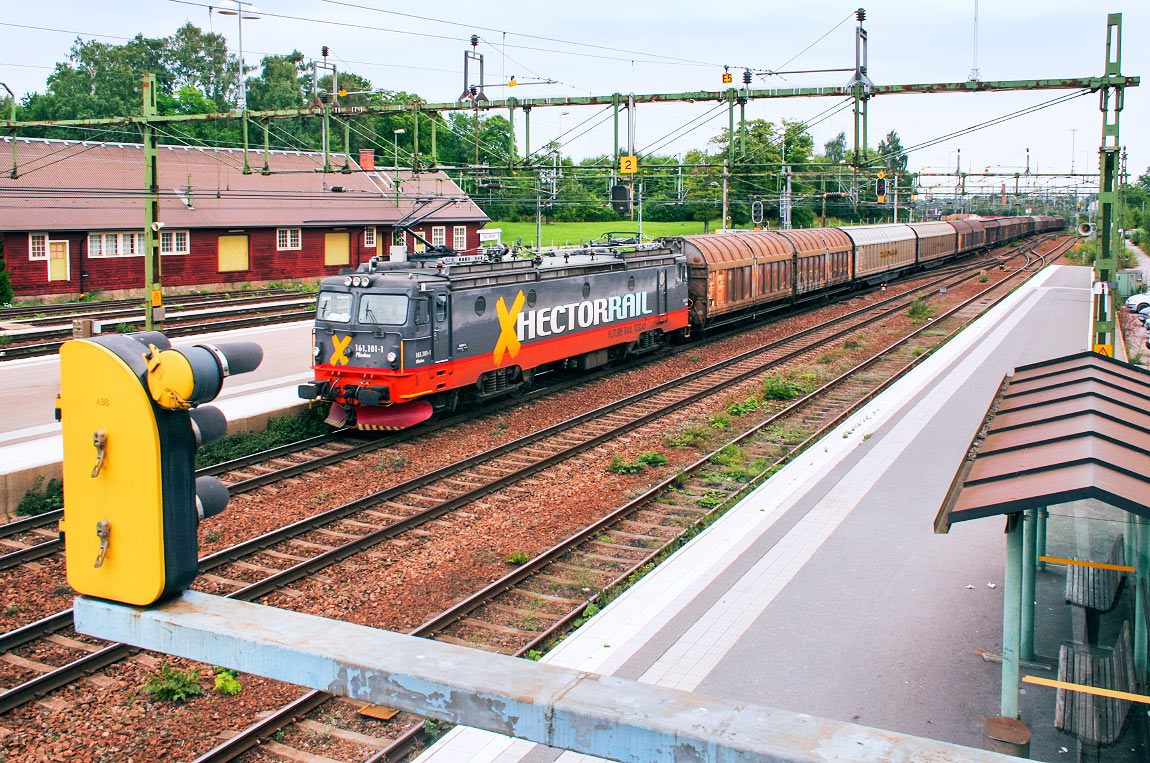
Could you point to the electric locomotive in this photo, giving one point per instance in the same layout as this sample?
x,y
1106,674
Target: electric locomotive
x,y
396,341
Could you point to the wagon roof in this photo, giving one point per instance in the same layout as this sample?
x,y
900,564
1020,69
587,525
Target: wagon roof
x,y
736,247
72,185
871,234
817,240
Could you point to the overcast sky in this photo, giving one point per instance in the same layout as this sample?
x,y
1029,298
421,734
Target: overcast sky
x,y
645,46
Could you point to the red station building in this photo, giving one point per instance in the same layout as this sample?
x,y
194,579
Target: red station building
x,y
72,221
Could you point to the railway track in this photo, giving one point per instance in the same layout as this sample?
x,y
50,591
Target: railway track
x,y
267,564
535,604
255,316
34,538
72,310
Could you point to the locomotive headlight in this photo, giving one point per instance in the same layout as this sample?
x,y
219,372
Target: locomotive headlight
x,y
347,281
391,356
315,352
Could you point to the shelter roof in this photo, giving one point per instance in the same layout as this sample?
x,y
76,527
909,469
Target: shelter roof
x,y
1062,430
73,185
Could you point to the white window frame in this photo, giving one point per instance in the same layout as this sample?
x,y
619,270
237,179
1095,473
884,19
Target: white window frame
x,y
369,237
116,244
397,238
459,238
171,245
287,235
133,244
438,235
33,244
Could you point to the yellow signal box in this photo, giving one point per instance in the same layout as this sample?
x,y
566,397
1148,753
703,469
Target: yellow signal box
x,y
628,165
132,501
727,78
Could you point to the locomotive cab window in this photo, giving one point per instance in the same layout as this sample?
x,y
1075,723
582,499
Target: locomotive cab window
x,y
333,306
422,311
440,307
383,309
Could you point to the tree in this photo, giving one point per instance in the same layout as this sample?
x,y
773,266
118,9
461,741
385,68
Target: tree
x,y
834,151
5,282
201,61
891,153
100,80
1144,179
283,83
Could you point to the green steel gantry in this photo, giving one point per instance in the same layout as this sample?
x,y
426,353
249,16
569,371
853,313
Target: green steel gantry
x,y
860,89
1106,264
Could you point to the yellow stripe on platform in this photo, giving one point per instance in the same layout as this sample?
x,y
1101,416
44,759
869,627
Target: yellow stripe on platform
x,y
1080,563
1086,689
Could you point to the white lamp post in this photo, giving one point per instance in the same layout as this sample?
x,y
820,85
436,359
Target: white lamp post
x,y
398,131
243,11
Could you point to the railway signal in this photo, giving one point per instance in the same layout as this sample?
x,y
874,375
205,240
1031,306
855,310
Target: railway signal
x,y
131,426
880,187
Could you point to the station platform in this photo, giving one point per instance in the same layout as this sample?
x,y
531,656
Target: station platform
x,y
826,590
31,447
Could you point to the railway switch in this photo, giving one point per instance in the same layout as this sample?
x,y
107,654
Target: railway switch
x,y
132,421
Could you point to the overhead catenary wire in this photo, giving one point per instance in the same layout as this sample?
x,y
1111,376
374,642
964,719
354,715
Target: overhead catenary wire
x,y
521,34
371,28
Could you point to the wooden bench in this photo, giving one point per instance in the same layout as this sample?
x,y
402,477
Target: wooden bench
x,y
1093,591
1094,720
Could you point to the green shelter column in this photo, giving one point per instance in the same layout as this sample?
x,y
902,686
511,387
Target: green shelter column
x,y
1043,515
1029,560
1011,616
1142,602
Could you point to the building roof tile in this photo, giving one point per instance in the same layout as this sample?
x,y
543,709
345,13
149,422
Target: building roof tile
x,y
71,185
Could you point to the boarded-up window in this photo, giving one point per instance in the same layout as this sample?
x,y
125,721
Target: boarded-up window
x,y
336,250
233,253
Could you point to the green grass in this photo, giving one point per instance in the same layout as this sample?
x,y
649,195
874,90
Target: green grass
x,y
280,430
41,498
174,685
564,234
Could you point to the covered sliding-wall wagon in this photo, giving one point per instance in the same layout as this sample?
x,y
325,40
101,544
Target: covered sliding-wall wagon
x,y
731,274
971,234
935,240
882,249
822,257
994,231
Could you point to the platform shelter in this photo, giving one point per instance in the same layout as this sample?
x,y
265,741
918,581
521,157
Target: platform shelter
x,y
1062,431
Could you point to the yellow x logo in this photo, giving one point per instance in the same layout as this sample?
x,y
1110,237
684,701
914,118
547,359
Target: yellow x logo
x,y
337,354
508,338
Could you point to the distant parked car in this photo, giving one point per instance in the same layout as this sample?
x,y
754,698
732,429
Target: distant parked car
x,y
1137,301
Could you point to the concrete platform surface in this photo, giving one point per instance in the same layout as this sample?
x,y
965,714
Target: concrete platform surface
x,y
826,590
